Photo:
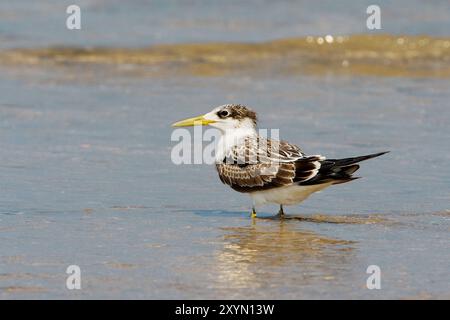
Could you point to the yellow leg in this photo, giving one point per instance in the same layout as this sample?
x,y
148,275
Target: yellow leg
x,y
253,214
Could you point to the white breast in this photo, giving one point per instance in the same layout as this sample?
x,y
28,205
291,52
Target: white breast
x,y
286,195
231,138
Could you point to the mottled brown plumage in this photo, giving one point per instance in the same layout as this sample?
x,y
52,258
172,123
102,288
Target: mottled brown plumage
x,y
261,164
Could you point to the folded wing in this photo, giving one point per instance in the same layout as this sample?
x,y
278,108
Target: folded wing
x,y
261,164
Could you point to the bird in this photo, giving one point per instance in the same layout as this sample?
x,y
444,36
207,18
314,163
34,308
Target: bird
x,y
269,170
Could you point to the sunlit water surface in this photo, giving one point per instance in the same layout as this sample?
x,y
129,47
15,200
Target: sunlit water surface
x,y
87,177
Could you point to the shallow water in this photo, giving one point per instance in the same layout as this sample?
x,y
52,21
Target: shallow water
x,y
136,23
87,177
87,180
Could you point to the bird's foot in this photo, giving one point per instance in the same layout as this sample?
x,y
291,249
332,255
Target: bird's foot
x,y
280,213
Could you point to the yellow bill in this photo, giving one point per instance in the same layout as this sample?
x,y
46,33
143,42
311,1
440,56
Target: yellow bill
x,y
196,121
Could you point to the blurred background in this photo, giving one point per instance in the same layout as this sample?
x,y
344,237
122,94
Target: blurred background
x,y
86,174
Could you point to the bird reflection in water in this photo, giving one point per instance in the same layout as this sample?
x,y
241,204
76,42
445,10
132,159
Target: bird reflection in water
x,y
271,253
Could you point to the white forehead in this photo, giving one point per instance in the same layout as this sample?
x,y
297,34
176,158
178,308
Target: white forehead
x,y
220,108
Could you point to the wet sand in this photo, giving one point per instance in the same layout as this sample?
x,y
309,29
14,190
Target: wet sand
x,y
220,254
87,179
375,55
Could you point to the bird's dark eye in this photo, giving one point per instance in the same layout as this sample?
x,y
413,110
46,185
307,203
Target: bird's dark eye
x,y
223,113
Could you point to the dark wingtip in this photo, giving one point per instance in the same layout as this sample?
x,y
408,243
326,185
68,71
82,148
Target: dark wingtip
x,y
378,154
370,156
353,160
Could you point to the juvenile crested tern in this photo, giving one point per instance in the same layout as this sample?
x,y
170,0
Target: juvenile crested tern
x,y
270,171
